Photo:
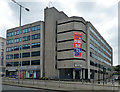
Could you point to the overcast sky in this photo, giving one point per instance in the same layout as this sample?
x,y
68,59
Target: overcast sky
x,y
103,14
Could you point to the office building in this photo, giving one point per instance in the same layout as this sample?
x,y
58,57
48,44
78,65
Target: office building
x,y
31,41
2,56
70,48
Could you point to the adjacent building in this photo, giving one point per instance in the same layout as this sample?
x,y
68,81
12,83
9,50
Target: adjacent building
x,y
58,47
2,55
30,41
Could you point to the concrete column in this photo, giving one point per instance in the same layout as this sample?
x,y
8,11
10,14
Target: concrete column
x,y
73,73
88,73
42,45
83,73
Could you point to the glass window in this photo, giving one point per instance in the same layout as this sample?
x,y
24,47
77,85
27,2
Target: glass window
x,y
35,45
100,39
26,46
91,63
16,56
10,34
9,42
36,28
26,30
16,48
16,32
16,40
9,64
26,38
36,53
36,36
2,43
9,49
35,62
16,63
24,63
9,56
25,54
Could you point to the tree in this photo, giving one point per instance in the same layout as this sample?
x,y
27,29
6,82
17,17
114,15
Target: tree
x,y
116,68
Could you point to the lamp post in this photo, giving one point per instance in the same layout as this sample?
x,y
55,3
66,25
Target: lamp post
x,y
19,36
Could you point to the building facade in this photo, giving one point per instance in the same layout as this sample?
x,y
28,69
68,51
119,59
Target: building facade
x,y
30,40
70,48
2,55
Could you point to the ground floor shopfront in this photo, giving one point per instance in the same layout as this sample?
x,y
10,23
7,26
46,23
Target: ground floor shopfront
x,y
76,73
81,73
25,72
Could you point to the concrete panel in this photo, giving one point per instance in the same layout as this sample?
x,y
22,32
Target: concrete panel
x,y
69,54
68,45
68,35
65,45
75,18
70,63
71,26
65,27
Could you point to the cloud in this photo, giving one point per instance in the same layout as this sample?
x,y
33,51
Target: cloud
x,y
101,13
5,18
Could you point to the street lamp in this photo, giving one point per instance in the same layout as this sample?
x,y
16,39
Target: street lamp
x,y
19,35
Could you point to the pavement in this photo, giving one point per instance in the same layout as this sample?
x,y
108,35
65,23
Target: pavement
x,y
16,88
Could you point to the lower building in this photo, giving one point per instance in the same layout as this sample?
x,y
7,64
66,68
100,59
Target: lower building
x,y
2,56
58,47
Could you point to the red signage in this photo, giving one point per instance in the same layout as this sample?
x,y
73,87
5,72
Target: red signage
x,y
77,44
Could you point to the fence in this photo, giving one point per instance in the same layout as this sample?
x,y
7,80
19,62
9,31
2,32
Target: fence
x,y
61,84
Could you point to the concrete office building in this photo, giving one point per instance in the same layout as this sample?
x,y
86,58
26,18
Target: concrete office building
x,y
2,56
31,44
59,54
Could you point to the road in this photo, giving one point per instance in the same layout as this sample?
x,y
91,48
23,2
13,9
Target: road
x,y
8,87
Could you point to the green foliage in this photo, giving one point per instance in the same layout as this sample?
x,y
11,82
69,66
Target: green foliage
x,y
43,78
116,68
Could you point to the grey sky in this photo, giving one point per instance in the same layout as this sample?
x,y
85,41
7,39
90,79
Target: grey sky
x,y
103,14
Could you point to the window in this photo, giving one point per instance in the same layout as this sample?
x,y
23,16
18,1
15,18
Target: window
x,y
91,63
37,53
9,49
26,30
16,48
36,36
2,43
9,42
9,56
26,38
35,45
9,64
16,56
98,51
27,46
16,63
36,28
16,32
35,62
96,65
10,34
25,54
17,40
99,59
101,40
24,63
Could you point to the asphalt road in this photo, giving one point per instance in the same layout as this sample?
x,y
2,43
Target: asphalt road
x,y
23,89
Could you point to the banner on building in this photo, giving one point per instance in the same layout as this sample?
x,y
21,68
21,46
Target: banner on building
x,y
77,44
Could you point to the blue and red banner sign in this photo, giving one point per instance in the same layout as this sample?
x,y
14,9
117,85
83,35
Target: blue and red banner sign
x,y
77,44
